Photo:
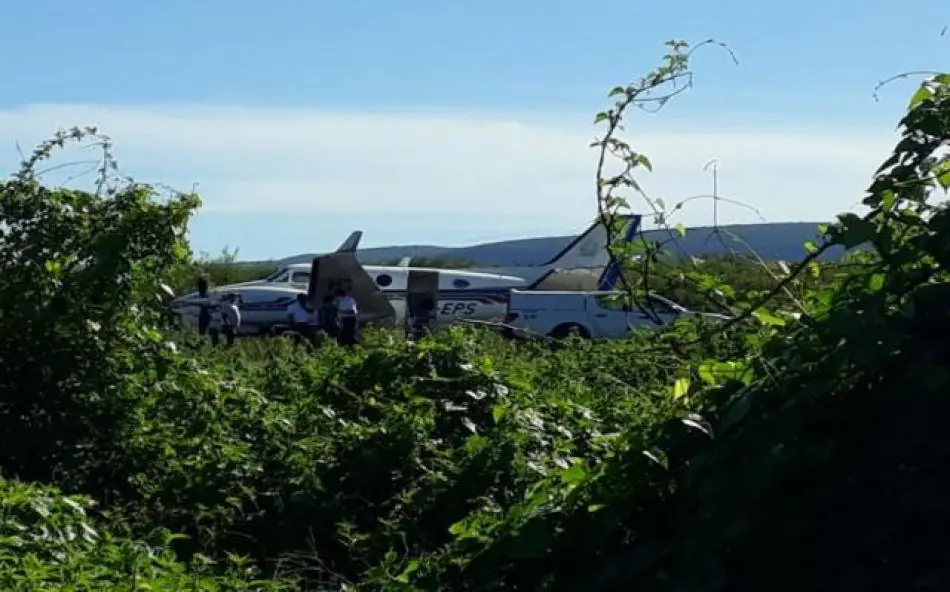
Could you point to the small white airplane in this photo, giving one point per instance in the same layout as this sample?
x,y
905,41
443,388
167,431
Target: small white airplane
x,y
382,292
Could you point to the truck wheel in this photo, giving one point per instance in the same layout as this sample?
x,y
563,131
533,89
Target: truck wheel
x,y
565,330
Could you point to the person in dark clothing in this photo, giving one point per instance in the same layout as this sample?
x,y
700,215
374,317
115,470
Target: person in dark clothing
x,y
423,319
204,310
349,319
327,318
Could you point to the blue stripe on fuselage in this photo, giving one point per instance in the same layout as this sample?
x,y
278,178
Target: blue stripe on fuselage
x,y
483,296
276,304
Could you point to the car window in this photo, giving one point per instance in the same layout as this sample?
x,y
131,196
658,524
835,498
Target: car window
x,y
301,277
611,303
661,306
281,278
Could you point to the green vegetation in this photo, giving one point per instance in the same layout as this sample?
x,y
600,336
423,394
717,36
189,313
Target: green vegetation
x,y
778,451
220,270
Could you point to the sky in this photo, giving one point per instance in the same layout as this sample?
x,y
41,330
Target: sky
x,y
456,123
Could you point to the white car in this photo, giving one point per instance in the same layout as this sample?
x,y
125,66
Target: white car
x,y
596,315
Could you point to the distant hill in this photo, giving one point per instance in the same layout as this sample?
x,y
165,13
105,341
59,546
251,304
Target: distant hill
x,y
778,241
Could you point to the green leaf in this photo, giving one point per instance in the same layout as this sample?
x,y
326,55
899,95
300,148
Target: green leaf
x,y
575,474
810,247
887,199
923,93
942,172
681,230
498,412
715,373
617,90
411,567
768,318
645,162
854,230
680,387
602,116
876,282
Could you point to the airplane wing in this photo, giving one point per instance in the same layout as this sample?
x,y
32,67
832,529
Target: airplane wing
x,y
329,273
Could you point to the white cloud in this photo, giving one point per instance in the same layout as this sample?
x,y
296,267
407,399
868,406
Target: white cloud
x,y
262,160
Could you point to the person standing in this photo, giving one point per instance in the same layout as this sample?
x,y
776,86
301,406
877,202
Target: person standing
x,y
327,317
204,308
225,321
349,318
298,316
423,319
230,318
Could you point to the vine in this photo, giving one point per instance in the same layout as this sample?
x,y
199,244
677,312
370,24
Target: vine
x,y
648,93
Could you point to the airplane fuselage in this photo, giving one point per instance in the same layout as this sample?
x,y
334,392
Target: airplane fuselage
x,y
462,294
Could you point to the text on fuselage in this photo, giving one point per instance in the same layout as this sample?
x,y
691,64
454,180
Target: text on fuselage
x,y
451,309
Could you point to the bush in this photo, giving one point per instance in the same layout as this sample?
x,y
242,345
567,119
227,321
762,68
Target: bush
x,y
50,543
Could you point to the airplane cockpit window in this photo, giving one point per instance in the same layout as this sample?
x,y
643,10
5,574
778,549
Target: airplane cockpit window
x,y
460,283
279,277
383,280
300,277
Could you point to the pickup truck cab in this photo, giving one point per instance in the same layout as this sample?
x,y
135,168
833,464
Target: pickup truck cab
x,y
596,315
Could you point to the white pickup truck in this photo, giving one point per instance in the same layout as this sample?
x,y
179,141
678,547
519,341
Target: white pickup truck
x,y
597,315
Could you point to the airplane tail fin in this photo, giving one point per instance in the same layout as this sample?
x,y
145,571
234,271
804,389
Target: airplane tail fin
x,y
589,250
351,243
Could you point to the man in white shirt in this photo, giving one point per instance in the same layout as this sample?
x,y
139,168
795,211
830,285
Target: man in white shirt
x,y
298,317
230,318
349,314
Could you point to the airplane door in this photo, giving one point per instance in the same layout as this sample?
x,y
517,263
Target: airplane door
x,y
329,273
420,285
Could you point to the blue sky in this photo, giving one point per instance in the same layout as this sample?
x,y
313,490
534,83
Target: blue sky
x,y
459,122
